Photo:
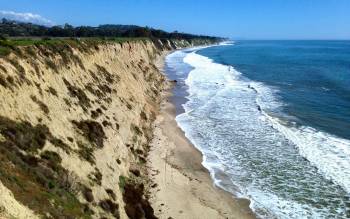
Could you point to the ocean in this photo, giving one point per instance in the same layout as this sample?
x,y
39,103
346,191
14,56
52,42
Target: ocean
x,y
272,120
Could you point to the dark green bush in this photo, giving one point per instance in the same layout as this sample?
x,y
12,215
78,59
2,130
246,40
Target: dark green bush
x,y
92,131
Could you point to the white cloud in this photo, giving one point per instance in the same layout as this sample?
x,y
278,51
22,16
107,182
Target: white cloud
x,y
26,17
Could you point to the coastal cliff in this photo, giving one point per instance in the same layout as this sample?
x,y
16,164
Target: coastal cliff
x,y
75,127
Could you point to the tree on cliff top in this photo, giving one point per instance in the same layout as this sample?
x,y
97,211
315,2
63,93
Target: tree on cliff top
x,y
14,29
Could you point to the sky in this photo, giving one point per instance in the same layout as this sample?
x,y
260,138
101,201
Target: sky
x,y
236,19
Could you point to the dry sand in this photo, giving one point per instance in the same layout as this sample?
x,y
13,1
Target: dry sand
x,y
182,186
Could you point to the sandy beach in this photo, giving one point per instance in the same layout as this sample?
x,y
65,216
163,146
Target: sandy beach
x,y
182,187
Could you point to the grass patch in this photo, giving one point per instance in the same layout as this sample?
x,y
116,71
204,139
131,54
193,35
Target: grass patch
x,y
122,182
30,51
10,44
4,51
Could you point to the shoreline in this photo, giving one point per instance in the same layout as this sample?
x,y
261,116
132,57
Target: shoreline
x,y
182,187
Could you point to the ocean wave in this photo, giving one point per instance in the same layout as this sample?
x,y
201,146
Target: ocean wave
x,y
329,153
210,84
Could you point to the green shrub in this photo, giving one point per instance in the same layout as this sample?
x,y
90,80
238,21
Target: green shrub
x,y
92,131
122,182
4,51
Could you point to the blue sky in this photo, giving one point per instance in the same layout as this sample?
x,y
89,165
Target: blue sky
x,y
238,19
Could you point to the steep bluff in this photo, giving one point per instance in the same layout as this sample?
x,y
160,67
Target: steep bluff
x,y
75,127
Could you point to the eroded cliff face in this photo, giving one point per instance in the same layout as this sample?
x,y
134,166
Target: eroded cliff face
x,y
75,127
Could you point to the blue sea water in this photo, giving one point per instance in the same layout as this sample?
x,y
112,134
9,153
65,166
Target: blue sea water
x,y
313,77
272,119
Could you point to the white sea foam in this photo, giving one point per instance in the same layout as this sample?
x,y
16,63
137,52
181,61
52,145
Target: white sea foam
x,y
227,43
330,154
232,121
